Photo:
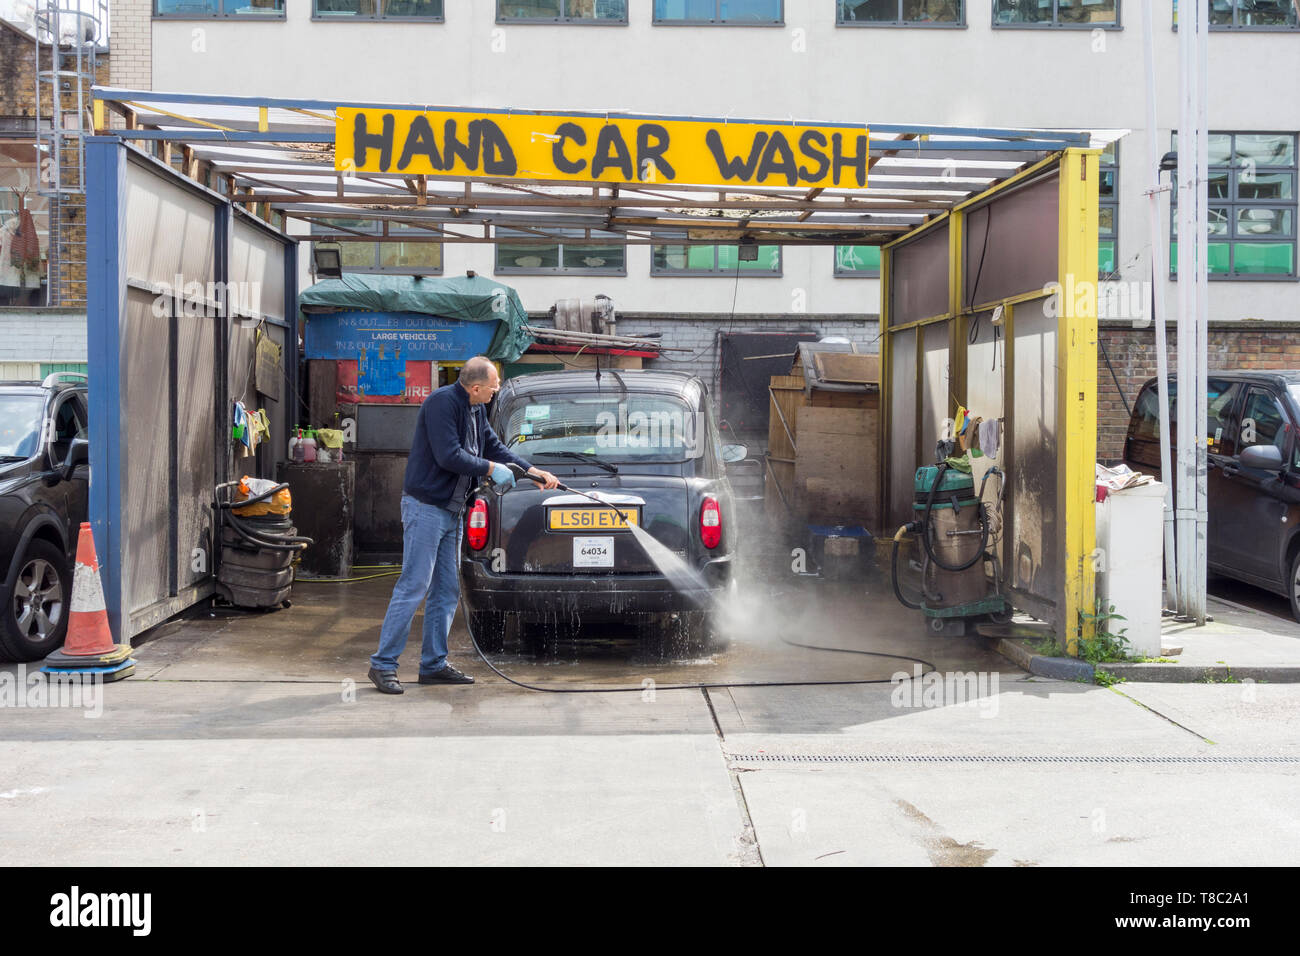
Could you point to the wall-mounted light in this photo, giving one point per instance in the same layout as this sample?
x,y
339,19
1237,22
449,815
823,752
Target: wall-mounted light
x,y
328,260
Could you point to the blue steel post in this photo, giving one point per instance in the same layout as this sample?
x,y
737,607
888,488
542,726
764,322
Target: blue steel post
x,y
105,305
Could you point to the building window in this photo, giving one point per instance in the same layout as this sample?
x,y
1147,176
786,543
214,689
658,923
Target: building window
x,y
900,13
574,253
391,255
562,11
713,261
1250,15
377,10
24,228
735,12
203,9
1108,212
861,261
1252,207
1087,14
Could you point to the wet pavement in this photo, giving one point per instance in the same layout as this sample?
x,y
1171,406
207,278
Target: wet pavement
x,y
256,739
331,630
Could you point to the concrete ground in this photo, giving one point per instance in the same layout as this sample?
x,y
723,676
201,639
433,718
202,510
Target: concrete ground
x,y
257,739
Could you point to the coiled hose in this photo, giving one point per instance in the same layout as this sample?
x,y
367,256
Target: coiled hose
x,y
258,537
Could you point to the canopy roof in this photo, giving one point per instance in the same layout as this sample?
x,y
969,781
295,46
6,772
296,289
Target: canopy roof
x,y
281,152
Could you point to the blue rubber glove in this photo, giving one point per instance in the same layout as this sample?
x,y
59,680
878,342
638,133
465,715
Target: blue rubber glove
x,y
501,475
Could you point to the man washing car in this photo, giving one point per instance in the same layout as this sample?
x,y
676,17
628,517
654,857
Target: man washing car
x,y
454,446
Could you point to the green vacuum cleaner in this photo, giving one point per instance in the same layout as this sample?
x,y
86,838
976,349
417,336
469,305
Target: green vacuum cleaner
x,y
961,578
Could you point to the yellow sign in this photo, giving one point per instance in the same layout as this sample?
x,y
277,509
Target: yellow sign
x,y
584,148
591,519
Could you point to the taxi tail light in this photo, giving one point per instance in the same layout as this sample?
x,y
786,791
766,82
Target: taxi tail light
x,y
476,525
710,522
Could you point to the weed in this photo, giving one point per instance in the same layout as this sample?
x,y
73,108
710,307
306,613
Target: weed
x,y
1105,645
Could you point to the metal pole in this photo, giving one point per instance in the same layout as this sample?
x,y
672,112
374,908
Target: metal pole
x,y
1159,276
1202,303
1186,471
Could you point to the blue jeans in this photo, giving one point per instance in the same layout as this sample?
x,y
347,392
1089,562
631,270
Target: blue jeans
x,y
430,560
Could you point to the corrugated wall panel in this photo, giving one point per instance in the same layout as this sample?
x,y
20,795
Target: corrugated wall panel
x,y
145,455
155,209
257,260
196,466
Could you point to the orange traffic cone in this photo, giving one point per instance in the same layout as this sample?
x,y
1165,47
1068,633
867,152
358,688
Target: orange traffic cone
x,y
89,645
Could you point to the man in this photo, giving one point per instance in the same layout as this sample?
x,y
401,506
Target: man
x,y
454,447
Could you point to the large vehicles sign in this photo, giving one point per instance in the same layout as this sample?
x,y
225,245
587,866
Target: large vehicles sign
x,y
585,148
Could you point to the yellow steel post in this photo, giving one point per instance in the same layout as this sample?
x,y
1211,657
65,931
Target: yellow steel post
x,y
1077,389
957,342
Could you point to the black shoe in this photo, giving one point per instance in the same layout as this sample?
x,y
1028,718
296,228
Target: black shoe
x,y
386,681
448,675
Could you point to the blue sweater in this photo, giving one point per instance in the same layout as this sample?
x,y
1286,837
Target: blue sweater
x,y
438,457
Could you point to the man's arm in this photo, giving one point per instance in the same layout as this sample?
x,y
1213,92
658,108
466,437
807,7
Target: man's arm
x,y
495,450
440,421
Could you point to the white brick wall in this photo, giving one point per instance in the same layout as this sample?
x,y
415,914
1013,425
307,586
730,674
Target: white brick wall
x,y
131,60
42,335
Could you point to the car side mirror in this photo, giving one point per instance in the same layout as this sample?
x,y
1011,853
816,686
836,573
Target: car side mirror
x,y
1263,457
734,453
78,454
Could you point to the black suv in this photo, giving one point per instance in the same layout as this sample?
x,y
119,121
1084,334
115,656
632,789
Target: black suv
x,y
1253,486
43,479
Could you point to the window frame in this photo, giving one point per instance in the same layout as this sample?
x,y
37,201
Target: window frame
x,y
1056,24
958,24
375,17
376,242
656,20
221,14
557,270
1234,27
1233,203
839,273
716,272
1113,204
564,20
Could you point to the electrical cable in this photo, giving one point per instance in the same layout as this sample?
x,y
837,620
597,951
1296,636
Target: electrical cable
x,y
1128,411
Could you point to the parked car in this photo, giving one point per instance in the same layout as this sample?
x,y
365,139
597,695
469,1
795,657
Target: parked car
x,y
1253,486
649,441
43,481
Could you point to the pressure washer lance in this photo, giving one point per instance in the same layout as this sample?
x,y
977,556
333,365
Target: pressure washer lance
x,y
519,473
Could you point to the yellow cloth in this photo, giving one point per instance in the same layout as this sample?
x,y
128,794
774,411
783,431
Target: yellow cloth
x,y
329,437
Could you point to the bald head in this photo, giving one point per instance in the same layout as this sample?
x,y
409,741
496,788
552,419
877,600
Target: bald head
x,y
480,379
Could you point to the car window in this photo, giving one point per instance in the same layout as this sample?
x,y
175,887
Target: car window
x,y
626,427
1220,422
1262,421
20,425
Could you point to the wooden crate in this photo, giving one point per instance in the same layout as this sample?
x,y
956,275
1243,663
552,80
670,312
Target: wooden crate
x,y
836,477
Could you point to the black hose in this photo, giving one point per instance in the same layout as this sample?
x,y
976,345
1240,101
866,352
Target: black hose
x,y
925,526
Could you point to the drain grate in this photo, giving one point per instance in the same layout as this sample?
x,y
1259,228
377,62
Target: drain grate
x,y
979,758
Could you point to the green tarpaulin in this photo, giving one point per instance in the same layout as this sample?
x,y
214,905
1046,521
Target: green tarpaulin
x,y
467,298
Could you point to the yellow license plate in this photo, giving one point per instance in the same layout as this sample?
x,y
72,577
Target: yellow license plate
x,y
591,519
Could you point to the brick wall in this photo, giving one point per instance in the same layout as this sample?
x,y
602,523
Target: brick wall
x,y
698,333
132,60
1132,352
42,335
